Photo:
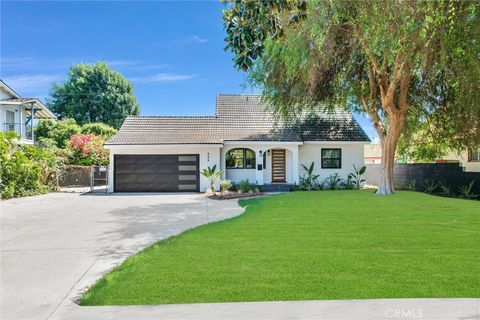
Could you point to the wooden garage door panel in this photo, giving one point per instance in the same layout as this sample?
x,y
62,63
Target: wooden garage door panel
x,y
156,173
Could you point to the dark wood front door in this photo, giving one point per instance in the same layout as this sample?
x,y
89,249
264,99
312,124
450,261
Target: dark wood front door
x,y
278,165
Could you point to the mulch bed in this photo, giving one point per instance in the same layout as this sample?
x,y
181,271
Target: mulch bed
x,y
227,196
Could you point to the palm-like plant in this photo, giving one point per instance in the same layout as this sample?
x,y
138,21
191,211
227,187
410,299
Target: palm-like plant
x,y
212,175
309,180
356,175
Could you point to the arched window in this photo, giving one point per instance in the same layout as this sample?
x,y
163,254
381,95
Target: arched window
x,y
240,158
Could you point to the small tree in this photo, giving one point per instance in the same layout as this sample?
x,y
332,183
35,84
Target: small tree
x,y
212,175
94,93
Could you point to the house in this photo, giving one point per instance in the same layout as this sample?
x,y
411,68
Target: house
x,y
373,153
468,158
19,114
167,153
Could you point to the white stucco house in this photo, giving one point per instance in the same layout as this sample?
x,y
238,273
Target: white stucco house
x,y
167,153
19,114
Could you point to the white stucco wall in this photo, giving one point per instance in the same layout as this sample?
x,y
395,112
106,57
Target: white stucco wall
x,y
262,176
352,153
208,156
471,166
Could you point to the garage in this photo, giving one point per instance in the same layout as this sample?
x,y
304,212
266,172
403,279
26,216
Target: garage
x,y
156,173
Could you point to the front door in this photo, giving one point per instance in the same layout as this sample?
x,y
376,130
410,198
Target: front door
x,y
278,165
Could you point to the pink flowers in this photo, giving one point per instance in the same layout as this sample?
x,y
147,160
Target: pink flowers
x,y
86,149
81,142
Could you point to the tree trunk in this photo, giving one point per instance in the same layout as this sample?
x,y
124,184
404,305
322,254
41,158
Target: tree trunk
x,y
389,144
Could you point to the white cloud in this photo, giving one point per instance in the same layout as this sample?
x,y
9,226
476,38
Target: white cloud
x,y
26,84
164,77
197,39
182,42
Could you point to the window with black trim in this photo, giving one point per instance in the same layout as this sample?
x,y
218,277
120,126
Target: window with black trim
x,y
331,158
240,159
474,154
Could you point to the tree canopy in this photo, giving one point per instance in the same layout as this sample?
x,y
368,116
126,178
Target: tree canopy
x,y
409,65
94,93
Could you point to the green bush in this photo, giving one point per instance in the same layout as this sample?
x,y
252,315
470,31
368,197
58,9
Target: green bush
x,y
59,131
225,185
245,186
25,169
99,129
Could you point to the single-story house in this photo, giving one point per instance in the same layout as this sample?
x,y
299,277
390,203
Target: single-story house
x,y
167,153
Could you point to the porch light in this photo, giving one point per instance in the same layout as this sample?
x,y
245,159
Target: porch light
x,y
208,156
260,152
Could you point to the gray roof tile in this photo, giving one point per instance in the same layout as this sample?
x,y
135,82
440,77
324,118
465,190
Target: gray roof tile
x,y
237,118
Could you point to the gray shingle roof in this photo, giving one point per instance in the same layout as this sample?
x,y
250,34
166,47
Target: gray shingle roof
x,y
237,118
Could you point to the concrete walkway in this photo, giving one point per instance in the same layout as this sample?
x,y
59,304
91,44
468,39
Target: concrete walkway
x,y
54,246
425,309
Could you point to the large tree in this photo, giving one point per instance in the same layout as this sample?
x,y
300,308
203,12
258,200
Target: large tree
x,y
94,93
402,62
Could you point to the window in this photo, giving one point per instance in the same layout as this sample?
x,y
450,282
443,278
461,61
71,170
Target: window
x,y
240,159
474,154
331,158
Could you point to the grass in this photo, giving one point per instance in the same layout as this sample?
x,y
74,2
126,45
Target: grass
x,y
311,245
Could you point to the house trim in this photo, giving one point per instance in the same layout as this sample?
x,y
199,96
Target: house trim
x,y
336,142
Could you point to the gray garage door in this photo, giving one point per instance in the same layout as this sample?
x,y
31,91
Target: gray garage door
x,y
156,173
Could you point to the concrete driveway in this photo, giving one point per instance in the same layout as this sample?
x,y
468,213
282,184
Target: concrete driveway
x,y
53,246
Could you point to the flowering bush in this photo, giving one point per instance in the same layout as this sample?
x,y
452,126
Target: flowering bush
x,y
86,149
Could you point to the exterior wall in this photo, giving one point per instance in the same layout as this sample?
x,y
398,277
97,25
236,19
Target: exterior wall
x,y
470,166
19,118
208,156
262,176
352,153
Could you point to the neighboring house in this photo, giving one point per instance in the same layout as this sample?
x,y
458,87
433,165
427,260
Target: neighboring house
x,y
373,153
18,114
167,153
469,159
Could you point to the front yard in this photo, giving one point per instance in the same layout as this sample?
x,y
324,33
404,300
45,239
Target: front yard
x,y
311,245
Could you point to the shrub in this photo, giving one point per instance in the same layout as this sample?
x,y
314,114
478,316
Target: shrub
x,y
466,191
430,186
86,150
25,169
309,180
225,185
245,186
356,176
349,183
445,189
59,131
412,185
100,129
333,181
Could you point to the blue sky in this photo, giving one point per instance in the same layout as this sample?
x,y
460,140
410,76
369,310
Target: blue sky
x,y
172,51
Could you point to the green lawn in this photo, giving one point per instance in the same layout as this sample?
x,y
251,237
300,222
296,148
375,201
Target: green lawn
x,y
311,245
